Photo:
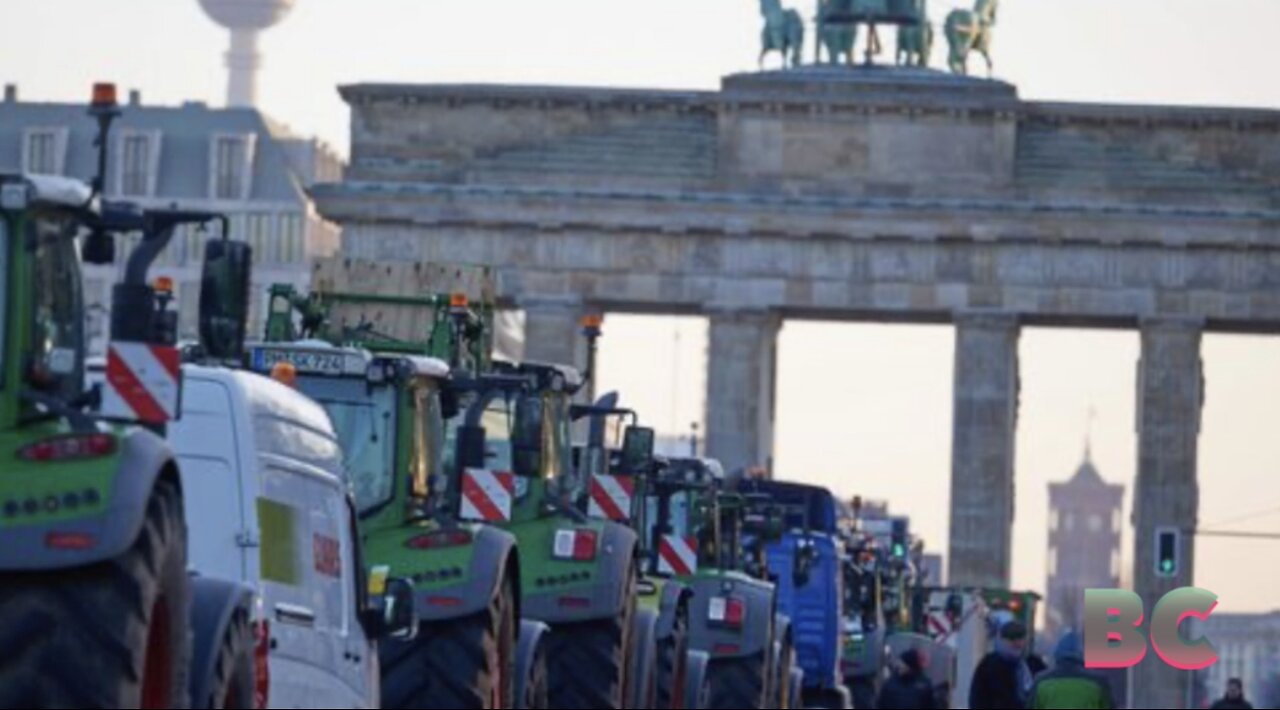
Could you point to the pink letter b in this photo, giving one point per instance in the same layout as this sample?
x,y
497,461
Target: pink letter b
x,y
1112,638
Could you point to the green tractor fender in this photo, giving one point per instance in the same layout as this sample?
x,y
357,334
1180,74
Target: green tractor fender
x,y
142,459
606,595
494,557
754,637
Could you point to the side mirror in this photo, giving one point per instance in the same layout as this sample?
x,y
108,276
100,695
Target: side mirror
x,y
471,446
393,613
637,449
805,557
224,298
99,248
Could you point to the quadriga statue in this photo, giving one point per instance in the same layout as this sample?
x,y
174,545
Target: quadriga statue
x,y
970,31
915,41
783,33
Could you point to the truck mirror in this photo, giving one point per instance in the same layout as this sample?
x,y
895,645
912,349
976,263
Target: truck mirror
x,y
398,610
471,447
99,248
637,449
224,298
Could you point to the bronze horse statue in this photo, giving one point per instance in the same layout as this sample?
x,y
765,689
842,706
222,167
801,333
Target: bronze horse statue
x,y
783,33
837,38
915,42
970,31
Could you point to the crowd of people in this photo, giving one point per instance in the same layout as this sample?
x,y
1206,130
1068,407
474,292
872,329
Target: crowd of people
x,y
1010,678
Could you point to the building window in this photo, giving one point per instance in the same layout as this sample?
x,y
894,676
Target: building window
x,y
135,178
42,153
1069,522
231,164
1053,562
1095,523
1053,521
291,242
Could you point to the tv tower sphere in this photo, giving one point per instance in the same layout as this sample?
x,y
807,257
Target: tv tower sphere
x,y
245,19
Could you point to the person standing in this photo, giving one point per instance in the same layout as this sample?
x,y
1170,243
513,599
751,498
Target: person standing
x,y
1003,680
911,687
1234,699
1069,685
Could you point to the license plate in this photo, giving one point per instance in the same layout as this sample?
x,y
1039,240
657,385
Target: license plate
x,y
306,361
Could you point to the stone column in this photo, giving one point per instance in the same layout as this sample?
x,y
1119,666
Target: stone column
x,y
982,450
553,331
1167,495
741,381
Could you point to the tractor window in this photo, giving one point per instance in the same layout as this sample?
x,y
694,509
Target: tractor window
x,y
497,434
58,328
428,439
365,419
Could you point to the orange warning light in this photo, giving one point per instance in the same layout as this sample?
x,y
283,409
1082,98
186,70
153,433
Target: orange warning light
x,y
285,373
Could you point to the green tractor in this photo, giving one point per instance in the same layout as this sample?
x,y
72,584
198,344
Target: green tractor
x,y
618,481
581,575
96,605
396,405
506,470
712,540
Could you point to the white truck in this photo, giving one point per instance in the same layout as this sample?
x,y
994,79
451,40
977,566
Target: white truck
x,y
268,505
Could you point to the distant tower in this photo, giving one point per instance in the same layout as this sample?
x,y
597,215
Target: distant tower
x,y
245,19
1084,543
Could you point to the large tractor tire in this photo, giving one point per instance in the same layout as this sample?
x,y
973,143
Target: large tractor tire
x,y
673,664
531,688
461,664
739,683
588,663
111,635
233,675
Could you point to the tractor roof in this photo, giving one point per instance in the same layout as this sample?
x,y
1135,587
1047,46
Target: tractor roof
x,y
52,189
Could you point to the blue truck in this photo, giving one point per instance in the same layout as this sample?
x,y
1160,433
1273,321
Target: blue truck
x,y
807,565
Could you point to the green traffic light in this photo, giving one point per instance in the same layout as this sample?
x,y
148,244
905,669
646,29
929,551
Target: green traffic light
x,y
1167,566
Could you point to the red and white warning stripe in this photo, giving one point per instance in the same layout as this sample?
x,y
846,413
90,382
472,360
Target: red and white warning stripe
x,y
677,555
611,498
939,624
143,383
487,496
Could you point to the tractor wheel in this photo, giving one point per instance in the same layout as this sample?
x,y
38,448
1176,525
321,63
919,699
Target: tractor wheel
x,y
673,664
110,635
534,688
588,663
739,683
233,679
461,664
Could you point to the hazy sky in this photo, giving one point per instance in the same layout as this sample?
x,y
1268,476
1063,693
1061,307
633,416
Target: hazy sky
x,y
862,408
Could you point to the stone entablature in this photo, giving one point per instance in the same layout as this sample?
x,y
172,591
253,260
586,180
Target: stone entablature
x,y
820,131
